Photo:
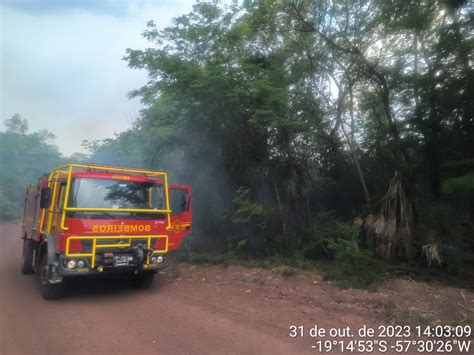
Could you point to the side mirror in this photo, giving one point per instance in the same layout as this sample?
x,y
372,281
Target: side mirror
x,y
45,199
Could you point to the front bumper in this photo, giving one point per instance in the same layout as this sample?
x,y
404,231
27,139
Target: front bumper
x,y
99,268
99,256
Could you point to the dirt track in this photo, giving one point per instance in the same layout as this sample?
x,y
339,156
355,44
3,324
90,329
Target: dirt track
x,y
197,310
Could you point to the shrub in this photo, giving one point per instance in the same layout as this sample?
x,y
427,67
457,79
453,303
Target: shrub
x,y
460,187
329,236
354,268
249,220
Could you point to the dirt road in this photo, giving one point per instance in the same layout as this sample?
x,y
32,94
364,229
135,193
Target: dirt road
x,y
193,310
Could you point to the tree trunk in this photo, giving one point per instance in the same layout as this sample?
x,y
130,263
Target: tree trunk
x,y
353,146
280,207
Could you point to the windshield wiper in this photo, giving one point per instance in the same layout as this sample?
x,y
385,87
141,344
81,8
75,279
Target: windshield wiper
x,y
101,214
155,215
109,215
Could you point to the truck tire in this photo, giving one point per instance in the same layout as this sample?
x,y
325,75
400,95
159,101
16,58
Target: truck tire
x,y
27,256
50,291
143,279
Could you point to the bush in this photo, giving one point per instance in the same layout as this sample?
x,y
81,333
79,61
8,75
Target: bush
x,y
457,259
249,221
354,268
461,187
339,244
329,236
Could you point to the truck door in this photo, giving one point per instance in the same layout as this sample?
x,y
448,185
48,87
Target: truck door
x,y
181,214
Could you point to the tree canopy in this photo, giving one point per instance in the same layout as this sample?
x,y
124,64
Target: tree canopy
x,y
306,106
24,157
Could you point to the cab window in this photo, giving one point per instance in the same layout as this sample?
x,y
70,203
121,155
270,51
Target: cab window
x,y
62,195
179,201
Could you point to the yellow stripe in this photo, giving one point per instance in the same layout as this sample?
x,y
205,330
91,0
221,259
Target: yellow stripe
x,y
92,209
52,207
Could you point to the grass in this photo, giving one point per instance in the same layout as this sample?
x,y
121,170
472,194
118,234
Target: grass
x,y
354,269
285,271
396,315
256,279
348,270
173,271
203,259
389,308
249,262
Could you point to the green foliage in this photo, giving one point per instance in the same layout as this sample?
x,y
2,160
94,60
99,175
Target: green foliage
x,y
9,210
246,218
16,125
461,187
24,157
276,111
354,269
458,259
245,212
441,217
330,235
337,246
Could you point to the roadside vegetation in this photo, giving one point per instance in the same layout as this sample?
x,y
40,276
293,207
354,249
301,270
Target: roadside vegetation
x,y
335,134
24,157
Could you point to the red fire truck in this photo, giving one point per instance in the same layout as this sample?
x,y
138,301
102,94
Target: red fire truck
x,y
92,219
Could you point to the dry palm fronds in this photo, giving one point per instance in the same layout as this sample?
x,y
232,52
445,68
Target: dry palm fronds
x,y
432,253
390,231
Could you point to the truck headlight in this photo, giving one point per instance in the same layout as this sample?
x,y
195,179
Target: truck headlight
x,y
160,259
80,263
71,264
153,259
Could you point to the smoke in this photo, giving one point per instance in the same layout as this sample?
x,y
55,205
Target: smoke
x,y
202,168
198,163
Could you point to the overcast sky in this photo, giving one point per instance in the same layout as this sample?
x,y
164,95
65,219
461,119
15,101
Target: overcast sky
x,y
62,68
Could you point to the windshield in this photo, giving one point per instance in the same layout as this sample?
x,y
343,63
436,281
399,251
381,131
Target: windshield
x,y
107,193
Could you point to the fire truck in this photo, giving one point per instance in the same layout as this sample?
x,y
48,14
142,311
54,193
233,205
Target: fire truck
x,y
100,220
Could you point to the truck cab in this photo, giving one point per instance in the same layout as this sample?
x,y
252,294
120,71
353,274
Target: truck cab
x,y
89,219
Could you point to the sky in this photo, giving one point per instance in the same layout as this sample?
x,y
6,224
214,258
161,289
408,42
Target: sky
x,y
61,63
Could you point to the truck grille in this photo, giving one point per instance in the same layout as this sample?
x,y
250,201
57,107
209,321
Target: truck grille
x,y
87,244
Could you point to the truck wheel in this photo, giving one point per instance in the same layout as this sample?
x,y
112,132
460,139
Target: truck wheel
x,y
27,257
49,290
143,279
